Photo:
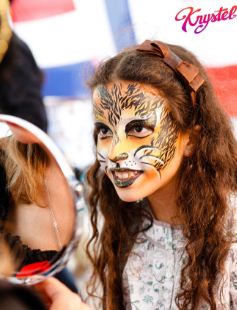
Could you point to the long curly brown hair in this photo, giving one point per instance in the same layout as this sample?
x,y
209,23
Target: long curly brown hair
x,y
205,181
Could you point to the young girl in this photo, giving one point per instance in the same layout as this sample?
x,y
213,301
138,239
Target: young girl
x,y
164,181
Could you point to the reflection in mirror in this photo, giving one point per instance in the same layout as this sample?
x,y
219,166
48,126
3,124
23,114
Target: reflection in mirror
x,y
37,213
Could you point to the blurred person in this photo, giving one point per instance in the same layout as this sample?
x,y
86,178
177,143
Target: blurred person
x,y
20,77
20,88
58,297
165,182
7,264
50,295
18,297
33,187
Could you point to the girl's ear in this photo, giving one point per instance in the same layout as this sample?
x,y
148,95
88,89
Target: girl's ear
x,y
194,135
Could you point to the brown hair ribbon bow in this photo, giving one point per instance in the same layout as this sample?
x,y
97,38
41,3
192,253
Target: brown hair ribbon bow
x,y
188,71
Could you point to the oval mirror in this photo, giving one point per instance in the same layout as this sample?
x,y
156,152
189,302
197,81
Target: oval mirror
x,y
39,203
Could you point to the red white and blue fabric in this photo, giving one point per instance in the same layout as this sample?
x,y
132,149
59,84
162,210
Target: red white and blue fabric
x,y
68,39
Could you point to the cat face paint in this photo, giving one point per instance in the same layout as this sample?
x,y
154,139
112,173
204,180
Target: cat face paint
x,y
137,140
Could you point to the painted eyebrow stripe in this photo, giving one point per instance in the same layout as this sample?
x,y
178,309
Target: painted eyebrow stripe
x,y
100,124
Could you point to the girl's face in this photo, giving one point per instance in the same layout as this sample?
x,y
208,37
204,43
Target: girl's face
x,y
139,146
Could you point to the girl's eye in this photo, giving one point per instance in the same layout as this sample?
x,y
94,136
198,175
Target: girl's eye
x,y
140,131
104,132
138,128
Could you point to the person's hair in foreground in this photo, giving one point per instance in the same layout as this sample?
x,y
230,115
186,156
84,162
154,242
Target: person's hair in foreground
x,y
25,166
205,180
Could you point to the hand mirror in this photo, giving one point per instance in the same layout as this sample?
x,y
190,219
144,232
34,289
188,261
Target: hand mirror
x,y
39,203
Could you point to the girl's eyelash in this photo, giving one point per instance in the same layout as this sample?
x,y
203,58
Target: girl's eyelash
x,y
99,126
134,124
98,129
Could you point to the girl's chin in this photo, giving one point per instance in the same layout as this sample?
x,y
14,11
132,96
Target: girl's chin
x,y
130,193
129,197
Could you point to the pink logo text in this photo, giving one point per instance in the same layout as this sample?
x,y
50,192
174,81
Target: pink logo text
x,y
191,17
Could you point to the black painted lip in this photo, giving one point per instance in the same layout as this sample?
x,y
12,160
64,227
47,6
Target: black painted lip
x,y
127,182
124,170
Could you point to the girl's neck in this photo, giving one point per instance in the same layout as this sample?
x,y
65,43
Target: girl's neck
x,y
163,204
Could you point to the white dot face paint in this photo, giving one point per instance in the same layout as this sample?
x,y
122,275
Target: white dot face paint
x,y
137,140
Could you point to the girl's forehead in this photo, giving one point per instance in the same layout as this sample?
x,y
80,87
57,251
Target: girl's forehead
x,y
125,89
117,98
122,100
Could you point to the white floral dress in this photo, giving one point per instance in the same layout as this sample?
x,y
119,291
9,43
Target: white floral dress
x,y
152,274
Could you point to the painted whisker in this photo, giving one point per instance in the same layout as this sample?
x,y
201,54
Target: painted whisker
x,y
101,161
153,156
144,148
99,154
